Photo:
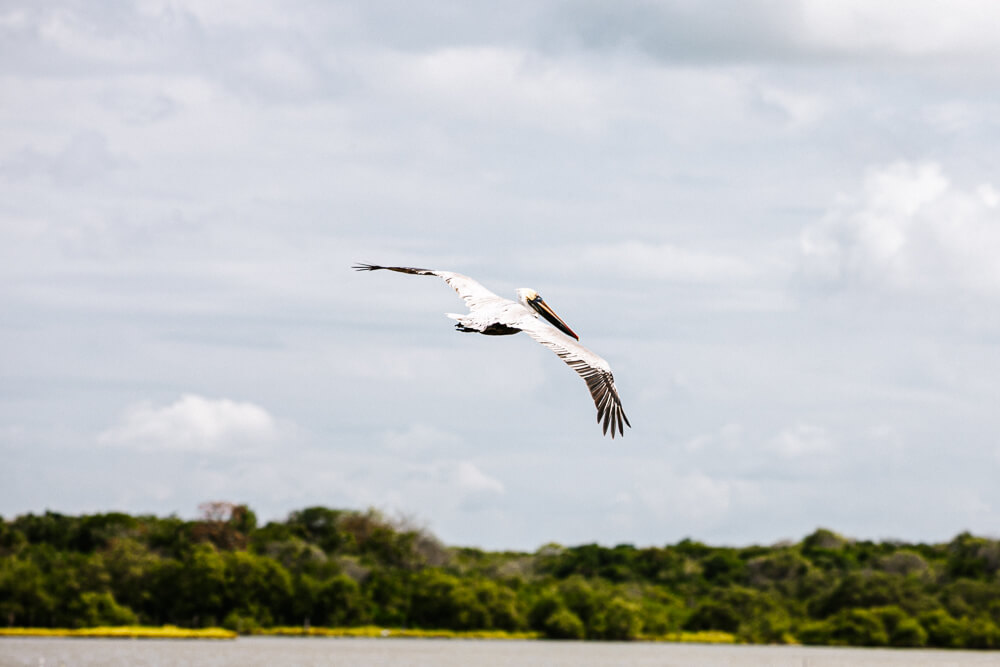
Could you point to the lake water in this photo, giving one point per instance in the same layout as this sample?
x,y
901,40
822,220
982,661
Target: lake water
x,y
261,651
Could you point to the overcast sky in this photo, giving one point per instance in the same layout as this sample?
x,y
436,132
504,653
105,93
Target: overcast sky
x,y
779,222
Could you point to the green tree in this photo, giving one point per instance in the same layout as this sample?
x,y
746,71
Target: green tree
x,y
656,565
24,600
973,557
754,615
582,598
714,615
562,624
942,629
867,589
723,567
622,619
256,587
546,603
130,565
389,593
501,604
781,569
903,630
982,633
853,627
970,597
443,601
92,609
828,550
339,601
317,525
193,591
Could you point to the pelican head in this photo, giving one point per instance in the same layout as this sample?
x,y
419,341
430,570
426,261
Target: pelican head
x,y
530,298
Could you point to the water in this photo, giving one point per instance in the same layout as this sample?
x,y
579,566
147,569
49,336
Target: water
x,y
330,652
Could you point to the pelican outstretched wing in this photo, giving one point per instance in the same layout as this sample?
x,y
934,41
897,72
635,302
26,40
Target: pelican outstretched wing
x,y
592,368
474,294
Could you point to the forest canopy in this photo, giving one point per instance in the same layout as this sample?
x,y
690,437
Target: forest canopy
x,y
335,568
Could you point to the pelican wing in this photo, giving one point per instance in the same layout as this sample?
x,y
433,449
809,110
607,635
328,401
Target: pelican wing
x,y
474,294
592,368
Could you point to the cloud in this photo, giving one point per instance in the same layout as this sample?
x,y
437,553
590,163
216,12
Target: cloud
x,y
657,261
677,31
800,109
801,440
84,159
470,478
900,28
735,452
418,439
483,83
192,423
447,486
764,31
139,107
729,438
435,488
693,495
690,501
909,229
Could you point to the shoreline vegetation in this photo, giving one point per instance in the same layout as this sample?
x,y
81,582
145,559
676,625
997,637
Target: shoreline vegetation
x,y
347,573
123,632
364,632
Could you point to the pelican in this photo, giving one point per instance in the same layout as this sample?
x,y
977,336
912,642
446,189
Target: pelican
x,y
493,315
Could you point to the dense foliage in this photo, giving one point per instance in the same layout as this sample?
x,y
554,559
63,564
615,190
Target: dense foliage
x,y
328,567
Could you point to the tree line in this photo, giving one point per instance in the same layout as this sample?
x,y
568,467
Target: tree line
x,y
331,567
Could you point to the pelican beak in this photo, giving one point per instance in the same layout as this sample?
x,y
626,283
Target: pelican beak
x,y
543,309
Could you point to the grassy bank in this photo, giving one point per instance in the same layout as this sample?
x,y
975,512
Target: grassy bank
x,y
371,631
123,632
705,637
700,637
376,631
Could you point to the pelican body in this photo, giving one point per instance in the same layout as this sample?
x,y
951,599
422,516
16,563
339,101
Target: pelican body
x,y
493,315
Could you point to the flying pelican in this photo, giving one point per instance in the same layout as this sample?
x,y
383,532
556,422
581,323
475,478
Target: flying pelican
x,y
493,315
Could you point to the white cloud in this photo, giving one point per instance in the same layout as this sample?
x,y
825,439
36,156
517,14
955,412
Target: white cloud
x,y
84,159
989,195
434,489
220,14
657,261
470,478
192,423
729,438
690,497
953,116
909,229
888,440
906,27
491,83
418,439
735,453
74,34
762,30
800,109
283,68
801,440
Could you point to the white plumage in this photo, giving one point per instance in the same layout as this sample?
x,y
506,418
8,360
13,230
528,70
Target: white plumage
x,y
493,315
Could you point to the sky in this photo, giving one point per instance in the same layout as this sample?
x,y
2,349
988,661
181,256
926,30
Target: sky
x,y
778,221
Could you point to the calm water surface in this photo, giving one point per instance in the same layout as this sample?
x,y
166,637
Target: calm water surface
x,y
261,651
